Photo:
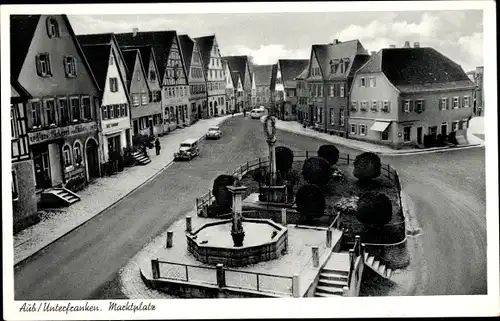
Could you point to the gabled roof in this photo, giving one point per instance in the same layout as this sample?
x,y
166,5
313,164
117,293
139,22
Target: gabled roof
x,y
291,68
262,74
161,42
22,92
239,64
205,46
417,69
303,74
145,53
330,52
131,56
22,30
98,58
235,76
187,47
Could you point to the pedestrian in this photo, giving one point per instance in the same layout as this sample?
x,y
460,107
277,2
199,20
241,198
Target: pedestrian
x,y
244,113
157,146
232,113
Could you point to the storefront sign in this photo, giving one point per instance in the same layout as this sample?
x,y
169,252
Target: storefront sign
x,y
112,125
60,132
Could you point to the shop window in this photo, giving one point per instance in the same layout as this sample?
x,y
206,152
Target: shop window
x,y
77,152
67,156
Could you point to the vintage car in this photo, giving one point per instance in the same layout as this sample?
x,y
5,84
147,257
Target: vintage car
x,y
187,150
256,113
213,133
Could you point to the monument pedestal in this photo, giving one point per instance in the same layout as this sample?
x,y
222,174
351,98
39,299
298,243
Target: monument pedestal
x,y
272,194
269,210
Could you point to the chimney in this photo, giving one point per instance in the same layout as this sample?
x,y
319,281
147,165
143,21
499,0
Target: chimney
x,y
407,44
373,53
335,41
135,31
392,46
416,45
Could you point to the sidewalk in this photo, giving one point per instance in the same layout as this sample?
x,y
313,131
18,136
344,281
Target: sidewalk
x,y
103,193
295,127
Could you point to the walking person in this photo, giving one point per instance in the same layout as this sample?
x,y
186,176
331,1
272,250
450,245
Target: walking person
x,y
244,113
157,146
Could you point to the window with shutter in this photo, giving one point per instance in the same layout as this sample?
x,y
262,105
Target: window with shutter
x,y
52,27
43,65
353,129
104,112
70,66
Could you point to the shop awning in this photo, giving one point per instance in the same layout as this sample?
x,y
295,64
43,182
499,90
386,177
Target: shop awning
x,y
380,126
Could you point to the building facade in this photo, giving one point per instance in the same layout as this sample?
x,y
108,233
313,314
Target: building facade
x,y
284,87
230,88
302,96
476,76
239,93
241,65
214,75
403,94
262,85
196,78
47,60
23,180
113,107
332,69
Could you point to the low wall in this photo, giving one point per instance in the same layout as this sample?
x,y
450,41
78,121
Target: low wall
x,y
192,290
356,277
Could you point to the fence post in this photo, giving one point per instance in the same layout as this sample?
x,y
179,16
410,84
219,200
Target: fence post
x,y
295,286
357,244
307,154
347,159
170,236
188,224
258,281
221,276
329,237
197,204
345,291
283,216
315,256
155,268
187,275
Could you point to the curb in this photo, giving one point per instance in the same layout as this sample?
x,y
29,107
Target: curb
x,y
471,146
31,256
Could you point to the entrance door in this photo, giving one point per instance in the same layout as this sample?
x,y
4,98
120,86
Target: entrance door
x,y
177,114
136,127
444,129
420,131
42,169
199,111
92,159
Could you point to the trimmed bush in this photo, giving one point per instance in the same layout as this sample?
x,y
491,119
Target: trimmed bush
x,y
75,184
347,205
223,196
310,202
330,153
292,180
374,208
452,138
440,140
367,166
128,159
284,160
317,171
143,140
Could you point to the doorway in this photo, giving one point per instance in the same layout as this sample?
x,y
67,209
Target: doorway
x,y
151,124
177,114
136,127
199,111
42,168
420,132
444,129
92,159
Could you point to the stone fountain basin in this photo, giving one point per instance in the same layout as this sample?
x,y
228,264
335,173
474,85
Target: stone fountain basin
x,y
258,245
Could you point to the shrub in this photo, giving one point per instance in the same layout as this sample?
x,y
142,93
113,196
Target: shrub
x,y
367,166
128,159
347,205
330,153
317,171
284,160
310,202
452,138
337,174
143,140
223,196
374,208
292,180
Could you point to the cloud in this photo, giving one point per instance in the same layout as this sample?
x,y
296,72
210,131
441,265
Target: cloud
x,y
268,54
116,23
447,32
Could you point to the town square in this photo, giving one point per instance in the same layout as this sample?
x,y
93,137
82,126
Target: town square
x,y
159,158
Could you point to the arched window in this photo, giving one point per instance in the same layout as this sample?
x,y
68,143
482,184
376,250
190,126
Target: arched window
x,y
52,27
67,156
77,153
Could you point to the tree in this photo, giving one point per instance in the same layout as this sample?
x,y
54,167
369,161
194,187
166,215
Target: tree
x,y
367,166
374,208
310,202
223,196
284,160
330,153
317,171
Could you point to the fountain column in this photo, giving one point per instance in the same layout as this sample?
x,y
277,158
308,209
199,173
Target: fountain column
x,y
270,130
237,231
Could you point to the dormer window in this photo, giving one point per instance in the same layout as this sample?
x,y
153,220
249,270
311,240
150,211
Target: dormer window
x,y
52,27
70,66
341,66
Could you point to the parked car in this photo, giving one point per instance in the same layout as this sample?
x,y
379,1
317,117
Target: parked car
x,y
187,150
213,133
256,113
262,108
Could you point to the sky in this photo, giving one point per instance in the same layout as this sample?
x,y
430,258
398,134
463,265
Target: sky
x,y
267,37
